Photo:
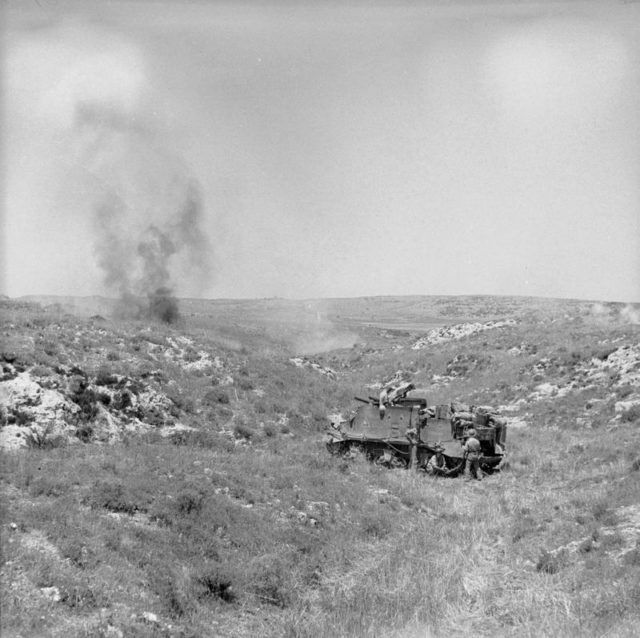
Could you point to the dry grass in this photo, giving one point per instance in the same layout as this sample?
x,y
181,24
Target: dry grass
x,y
246,526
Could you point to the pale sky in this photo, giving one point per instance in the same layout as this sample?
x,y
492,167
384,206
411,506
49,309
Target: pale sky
x,y
339,149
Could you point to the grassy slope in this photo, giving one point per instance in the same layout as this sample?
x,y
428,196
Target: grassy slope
x,y
248,527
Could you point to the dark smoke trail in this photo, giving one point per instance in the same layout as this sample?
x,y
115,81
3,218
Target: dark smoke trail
x,y
164,306
148,216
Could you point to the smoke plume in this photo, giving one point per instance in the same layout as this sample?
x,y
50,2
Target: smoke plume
x,y
148,212
631,314
615,313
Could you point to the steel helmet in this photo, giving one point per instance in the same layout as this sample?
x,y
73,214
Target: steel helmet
x,y
471,432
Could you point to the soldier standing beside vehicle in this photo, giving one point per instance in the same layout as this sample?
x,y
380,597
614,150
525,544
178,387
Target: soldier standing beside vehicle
x,y
472,454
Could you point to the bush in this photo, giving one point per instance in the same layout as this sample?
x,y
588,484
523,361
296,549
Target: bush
x,y
84,432
41,371
270,429
242,431
631,415
215,396
205,439
603,512
174,587
212,581
106,377
22,417
43,439
87,400
79,594
191,355
121,400
624,391
103,398
114,497
245,384
78,553
549,563
50,348
48,486
190,500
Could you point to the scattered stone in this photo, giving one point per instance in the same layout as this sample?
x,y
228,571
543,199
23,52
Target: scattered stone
x,y
458,331
303,362
52,593
626,532
150,617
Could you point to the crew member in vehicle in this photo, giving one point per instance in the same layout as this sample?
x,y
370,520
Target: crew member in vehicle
x,y
390,395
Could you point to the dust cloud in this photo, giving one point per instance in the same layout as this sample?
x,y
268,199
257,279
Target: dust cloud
x,y
611,313
318,333
98,168
147,212
631,314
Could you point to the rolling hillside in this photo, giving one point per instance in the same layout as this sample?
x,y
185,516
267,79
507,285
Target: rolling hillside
x,y
171,479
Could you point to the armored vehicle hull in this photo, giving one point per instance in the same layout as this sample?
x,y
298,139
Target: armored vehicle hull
x,y
407,433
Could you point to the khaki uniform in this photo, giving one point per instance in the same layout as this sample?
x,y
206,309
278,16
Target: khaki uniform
x,y
472,453
436,465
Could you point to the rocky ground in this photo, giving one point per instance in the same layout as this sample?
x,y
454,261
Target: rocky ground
x,y
171,480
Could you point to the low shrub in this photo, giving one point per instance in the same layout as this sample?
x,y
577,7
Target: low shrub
x,y
84,432
190,500
87,400
216,395
44,438
103,398
603,512
79,554
47,485
244,383
551,563
631,414
51,348
22,418
211,580
632,557
41,371
79,593
121,400
242,430
624,391
104,376
114,497
270,430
